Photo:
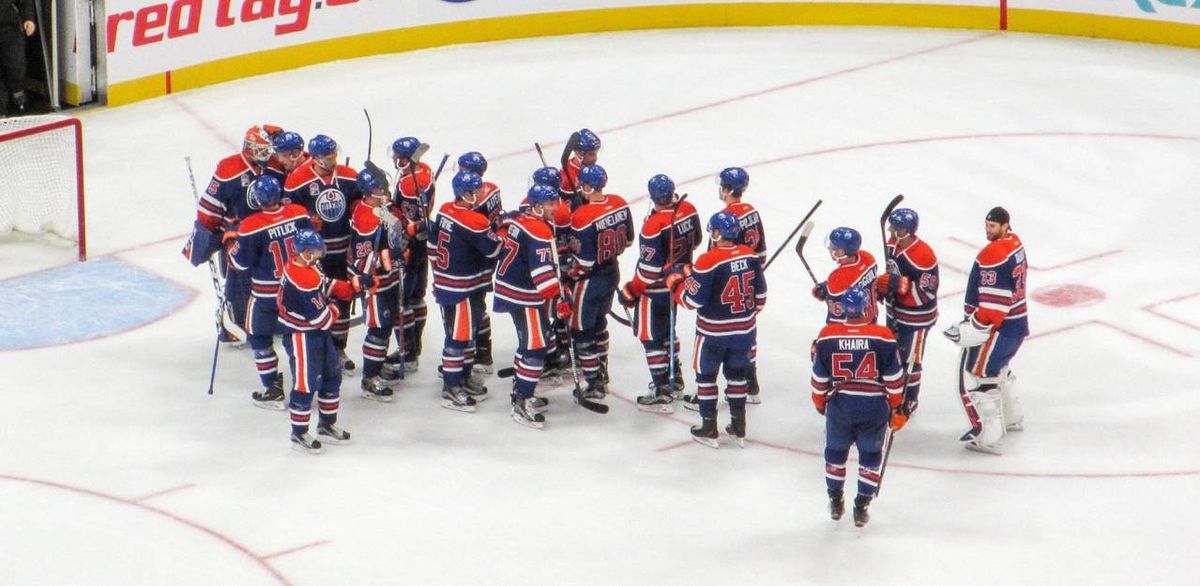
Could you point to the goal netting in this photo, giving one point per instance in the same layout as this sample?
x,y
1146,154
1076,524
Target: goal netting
x,y
41,177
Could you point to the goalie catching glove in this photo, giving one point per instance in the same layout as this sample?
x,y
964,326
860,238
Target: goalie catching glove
x,y
968,333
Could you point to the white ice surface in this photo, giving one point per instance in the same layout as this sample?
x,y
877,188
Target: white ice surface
x,y
116,468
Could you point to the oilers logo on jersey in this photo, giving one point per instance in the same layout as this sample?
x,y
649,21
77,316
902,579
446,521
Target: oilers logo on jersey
x,y
331,205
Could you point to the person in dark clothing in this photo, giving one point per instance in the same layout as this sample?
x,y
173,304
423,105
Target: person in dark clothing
x,y
16,23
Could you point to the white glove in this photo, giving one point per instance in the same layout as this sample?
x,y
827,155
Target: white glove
x,y
386,217
967,333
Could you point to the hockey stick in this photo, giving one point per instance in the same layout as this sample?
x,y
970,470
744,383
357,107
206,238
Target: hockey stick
x,y
804,232
541,155
671,355
370,133
213,271
887,254
793,234
578,392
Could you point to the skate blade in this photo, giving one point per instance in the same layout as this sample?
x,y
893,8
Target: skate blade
x,y
753,400
270,405
305,449
707,441
659,408
974,447
527,423
451,405
740,441
1015,427
483,369
691,406
329,439
377,398
480,398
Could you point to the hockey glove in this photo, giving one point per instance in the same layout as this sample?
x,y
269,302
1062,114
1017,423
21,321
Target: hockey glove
x,y
418,230
967,333
386,217
820,292
576,272
362,282
819,400
229,238
562,309
628,295
899,420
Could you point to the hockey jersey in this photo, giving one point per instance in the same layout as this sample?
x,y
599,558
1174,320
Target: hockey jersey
x,y
856,270
329,198
600,232
226,200
916,303
369,244
662,229
751,234
727,289
461,247
276,170
857,360
304,299
489,203
525,274
996,286
570,184
412,198
265,245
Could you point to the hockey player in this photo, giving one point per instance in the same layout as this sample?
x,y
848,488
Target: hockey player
x,y
990,334
727,289
855,267
289,155
601,230
491,206
462,249
585,153
265,243
909,292
306,313
733,183
669,236
375,232
329,191
857,380
526,286
414,194
223,204
558,359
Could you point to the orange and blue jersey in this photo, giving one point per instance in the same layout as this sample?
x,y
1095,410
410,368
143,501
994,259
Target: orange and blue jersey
x,y
996,286
570,183
304,299
751,232
226,200
525,274
915,305
857,361
265,245
327,197
368,243
853,270
603,231
462,246
727,289
410,196
489,203
662,229
276,170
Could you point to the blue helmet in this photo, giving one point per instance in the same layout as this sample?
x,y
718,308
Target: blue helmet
x,y
548,176
904,219
662,189
593,176
854,301
322,145
287,141
726,224
369,180
307,240
846,239
405,147
473,162
588,141
464,182
540,194
265,192
735,178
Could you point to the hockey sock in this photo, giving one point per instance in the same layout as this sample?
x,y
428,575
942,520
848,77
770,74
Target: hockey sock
x,y
300,407
658,361
327,406
374,351
835,468
452,364
868,473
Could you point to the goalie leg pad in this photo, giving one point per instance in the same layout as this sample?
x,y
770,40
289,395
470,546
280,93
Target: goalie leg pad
x,y
988,405
1014,416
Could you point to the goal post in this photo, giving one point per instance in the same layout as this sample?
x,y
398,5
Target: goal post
x,y
41,178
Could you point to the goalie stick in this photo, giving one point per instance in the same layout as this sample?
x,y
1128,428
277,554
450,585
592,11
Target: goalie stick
x,y
214,271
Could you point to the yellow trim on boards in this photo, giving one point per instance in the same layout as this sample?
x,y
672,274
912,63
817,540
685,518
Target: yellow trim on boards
x,y
643,18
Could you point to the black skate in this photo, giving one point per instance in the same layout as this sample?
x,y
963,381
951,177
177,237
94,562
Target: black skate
x,y
483,361
458,399
525,413
737,429
348,365
752,389
376,389
860,510
706,432
677,385
596,390
333,434
691,402
658,400
389,376
538,403
271,397
306,443
837,505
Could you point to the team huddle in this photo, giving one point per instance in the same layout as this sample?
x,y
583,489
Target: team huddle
x,y
299,240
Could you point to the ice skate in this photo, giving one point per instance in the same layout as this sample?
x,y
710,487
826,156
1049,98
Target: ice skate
x,y
837,505
333,434
306,443
658,400
272,397
457,399
737,429
348,365
706,432
376,389
524,412
860,510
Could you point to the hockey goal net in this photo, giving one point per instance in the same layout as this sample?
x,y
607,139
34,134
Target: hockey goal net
x,y
41,177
